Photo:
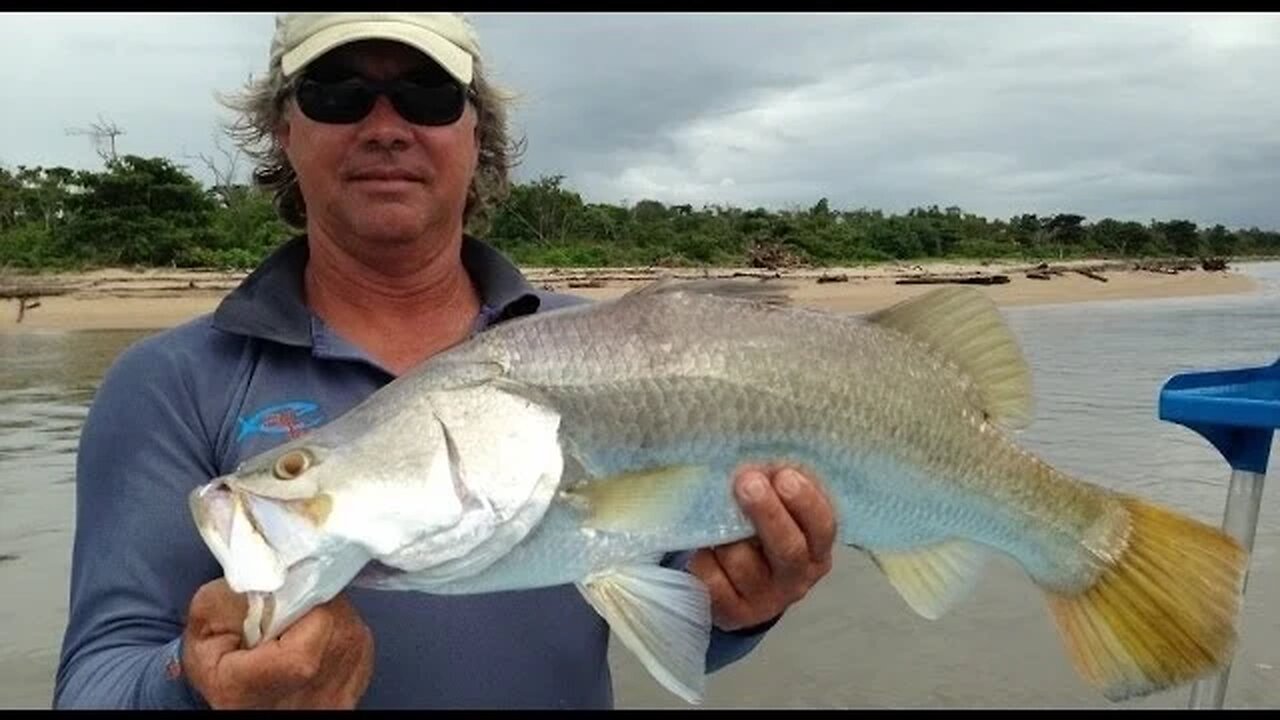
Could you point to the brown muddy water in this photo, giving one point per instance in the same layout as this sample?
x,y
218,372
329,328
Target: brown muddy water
x,y
852,643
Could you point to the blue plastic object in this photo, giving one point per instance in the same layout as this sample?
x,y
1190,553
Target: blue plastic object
x,y
1238,412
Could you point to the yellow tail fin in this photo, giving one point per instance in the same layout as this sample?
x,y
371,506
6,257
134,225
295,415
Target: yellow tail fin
x,y
1164,614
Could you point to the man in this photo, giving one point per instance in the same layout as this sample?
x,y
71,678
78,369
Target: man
x,y
383,139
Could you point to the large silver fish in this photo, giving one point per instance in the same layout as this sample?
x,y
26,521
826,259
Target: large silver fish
x,y
581,445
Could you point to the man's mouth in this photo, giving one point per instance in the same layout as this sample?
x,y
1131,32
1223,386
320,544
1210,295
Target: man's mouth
x,y
389,176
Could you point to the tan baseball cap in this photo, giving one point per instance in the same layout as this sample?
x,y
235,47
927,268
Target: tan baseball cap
x,y
446,38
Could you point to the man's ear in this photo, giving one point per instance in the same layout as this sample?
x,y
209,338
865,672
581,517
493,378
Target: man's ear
x,y
282,132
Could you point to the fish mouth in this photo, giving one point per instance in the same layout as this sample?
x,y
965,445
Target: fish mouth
x,y
273,555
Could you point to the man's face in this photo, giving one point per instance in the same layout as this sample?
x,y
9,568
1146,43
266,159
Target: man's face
x,y
381,179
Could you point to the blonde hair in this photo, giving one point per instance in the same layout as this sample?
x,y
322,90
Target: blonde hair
x,y
260,107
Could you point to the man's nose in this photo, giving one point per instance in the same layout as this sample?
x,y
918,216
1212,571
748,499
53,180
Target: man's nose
x,y
384,127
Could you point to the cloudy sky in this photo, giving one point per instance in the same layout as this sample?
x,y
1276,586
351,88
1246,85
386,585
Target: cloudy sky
x,y
1128,116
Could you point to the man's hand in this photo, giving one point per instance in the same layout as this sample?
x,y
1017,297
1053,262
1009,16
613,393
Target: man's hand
x,y
325,660
755,580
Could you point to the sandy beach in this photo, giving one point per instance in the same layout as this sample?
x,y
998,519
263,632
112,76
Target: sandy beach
x,y
157,299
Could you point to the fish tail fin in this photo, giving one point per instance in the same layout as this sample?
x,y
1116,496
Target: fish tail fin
x,y
1163,612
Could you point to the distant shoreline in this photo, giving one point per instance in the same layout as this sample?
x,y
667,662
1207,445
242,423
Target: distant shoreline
x,y
156,299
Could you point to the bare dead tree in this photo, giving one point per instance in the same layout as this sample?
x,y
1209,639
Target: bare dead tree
x,y
224,168
103,134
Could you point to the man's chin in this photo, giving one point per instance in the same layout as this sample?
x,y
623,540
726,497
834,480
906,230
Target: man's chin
x,y
392,226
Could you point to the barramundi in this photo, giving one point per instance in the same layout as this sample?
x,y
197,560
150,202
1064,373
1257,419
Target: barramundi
x,y
585,444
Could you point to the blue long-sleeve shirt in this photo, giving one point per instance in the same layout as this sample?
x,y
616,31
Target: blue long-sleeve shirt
x,y
188,404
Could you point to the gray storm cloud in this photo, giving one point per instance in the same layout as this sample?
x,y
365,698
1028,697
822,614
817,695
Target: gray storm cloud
x,y
1128,116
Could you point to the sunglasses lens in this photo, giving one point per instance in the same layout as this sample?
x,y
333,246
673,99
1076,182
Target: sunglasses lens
x,y
343,102
350,100
439,104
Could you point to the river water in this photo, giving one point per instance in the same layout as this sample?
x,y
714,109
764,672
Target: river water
x,y
1098,368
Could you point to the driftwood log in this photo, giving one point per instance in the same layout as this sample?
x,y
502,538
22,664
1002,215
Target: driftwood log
x,y
955,280
28,296
1091,275
29,292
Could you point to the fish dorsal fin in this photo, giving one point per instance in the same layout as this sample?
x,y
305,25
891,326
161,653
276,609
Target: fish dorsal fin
x,y
964,325
661,615
742,288
935,578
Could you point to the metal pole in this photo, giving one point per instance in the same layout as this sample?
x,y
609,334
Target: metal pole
x,y
1240,521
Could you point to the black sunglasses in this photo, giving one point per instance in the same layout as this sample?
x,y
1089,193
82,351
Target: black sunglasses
x,y
343,101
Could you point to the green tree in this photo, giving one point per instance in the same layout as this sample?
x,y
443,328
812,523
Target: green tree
x,y
145,211
1065,231
540,212
10,199
1180,237
1218,241
149,211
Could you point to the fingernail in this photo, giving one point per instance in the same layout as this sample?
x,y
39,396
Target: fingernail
x,y
753,488
789,483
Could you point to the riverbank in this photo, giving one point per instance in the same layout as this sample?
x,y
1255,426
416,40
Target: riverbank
x,y
158,299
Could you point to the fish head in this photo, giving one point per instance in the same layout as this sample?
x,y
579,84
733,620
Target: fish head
x,y
269,524
267,516
296,524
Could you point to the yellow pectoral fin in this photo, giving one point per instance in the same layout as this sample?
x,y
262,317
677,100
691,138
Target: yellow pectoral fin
x,y
639,500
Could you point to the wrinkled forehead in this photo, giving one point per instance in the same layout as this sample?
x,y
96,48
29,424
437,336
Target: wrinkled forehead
x,y
376,59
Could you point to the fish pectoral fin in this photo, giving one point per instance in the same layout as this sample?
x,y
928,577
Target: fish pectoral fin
x,y
661,615
933,579
965,326
638,500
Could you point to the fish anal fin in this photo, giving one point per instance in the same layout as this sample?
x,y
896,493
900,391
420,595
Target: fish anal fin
x,y
965,326
933,579
663,616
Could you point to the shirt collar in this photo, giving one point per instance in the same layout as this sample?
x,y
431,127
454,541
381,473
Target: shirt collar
x,y
269,303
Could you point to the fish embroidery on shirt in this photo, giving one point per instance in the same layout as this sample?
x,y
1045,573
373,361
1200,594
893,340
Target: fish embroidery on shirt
x,y
290,418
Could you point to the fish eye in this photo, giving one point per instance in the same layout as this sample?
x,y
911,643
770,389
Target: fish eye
x,y
291,464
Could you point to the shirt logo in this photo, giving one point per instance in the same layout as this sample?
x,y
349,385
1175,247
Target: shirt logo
x,y
291,418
